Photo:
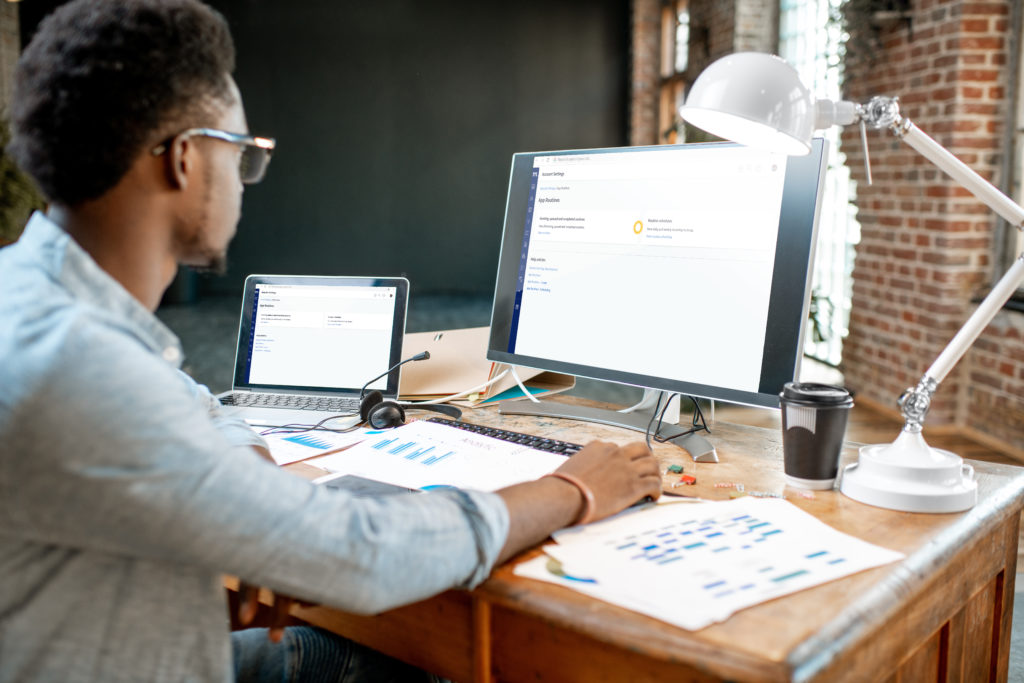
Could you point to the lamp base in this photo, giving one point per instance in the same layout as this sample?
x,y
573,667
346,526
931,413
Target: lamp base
x,y
911,476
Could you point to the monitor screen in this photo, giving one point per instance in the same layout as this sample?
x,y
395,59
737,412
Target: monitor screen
x,y
682,268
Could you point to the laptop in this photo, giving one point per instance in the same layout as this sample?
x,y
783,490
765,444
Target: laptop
x,y
308,345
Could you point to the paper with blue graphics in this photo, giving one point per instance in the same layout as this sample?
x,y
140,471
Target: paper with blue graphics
x,y
423,455
288,447
694,565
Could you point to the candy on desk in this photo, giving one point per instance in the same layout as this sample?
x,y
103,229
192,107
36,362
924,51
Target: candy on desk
x,y
675,469
688,479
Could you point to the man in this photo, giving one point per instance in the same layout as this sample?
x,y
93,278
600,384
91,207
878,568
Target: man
x,y
125,493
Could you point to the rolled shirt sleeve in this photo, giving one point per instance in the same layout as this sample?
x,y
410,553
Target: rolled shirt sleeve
x,y
234,429
141,469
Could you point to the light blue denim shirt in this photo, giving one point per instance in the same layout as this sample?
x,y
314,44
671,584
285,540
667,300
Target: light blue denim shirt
x,y
125,494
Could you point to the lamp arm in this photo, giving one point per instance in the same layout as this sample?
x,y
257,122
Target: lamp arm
x,y
986,311
960,172
914,402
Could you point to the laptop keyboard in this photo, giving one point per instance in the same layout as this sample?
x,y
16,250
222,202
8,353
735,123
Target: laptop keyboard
x,y
293,401
538,442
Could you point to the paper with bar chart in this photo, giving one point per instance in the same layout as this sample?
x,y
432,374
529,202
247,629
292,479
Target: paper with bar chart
x,y
288,447
423,455
693,565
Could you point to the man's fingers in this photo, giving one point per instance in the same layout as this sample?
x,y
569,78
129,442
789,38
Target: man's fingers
x,y
654,483
638,450
650,463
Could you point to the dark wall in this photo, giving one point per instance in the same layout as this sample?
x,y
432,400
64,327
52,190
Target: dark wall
x,y
396,123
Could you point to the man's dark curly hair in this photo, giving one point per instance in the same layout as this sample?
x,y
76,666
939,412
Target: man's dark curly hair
x,y
101,79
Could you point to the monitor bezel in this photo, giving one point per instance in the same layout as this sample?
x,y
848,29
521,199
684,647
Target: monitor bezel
x,y
788,303
241,371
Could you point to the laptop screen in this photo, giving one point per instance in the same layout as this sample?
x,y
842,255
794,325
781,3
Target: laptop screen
x,y
324,335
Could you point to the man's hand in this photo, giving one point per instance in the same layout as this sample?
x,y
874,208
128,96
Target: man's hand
x,y
617,476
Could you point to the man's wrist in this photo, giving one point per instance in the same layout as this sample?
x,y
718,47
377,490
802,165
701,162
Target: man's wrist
x,y
586,514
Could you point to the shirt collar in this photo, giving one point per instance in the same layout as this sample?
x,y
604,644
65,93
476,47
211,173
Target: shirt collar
x,y
86,282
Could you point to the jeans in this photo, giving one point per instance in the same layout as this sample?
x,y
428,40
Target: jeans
x,y
312,655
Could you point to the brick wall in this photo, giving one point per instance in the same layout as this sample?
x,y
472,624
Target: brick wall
x,y
757,26
928,246
712,33
719,27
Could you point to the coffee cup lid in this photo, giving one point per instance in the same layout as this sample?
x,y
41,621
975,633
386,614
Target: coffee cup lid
x,y
812,392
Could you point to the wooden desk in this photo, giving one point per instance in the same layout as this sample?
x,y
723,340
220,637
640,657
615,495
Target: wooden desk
x,y
941,614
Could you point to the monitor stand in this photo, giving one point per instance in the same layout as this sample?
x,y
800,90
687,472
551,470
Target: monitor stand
x,y
699,448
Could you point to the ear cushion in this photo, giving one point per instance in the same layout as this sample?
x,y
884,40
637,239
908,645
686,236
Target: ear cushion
x,y
386,414
369,401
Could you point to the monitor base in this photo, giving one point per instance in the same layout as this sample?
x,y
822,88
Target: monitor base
x,y
699,448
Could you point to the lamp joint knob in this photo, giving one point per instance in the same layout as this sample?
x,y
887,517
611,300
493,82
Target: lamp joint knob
x,y
915,402
881,112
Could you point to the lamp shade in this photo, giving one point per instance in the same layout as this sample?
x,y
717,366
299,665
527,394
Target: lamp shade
x,y
754,99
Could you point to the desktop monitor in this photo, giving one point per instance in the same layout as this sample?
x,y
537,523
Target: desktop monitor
x,y
682,268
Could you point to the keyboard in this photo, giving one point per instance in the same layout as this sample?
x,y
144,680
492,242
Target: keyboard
x,y
529,440
294,401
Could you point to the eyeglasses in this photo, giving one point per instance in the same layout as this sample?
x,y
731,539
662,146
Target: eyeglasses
x,y
256,151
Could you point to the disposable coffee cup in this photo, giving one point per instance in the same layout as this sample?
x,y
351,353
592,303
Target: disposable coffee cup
x,y
813,429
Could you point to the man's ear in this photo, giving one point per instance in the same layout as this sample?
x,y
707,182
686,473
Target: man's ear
x,y
180,162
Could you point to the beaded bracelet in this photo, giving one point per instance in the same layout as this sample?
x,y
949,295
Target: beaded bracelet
x,y
588,497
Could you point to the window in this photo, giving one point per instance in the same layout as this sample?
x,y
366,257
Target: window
x,y
811,42
1012,243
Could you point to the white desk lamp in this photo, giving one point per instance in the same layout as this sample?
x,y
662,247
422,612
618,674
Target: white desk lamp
x,y
758,100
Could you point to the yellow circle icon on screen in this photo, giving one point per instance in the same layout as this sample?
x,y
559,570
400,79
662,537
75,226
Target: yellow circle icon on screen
x,y
638,227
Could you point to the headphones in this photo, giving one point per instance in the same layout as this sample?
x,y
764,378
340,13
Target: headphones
x,y
381,414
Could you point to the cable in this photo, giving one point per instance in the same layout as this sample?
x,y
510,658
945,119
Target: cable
x,y
294,428
698,424
522,387
461,394
650,423
423,355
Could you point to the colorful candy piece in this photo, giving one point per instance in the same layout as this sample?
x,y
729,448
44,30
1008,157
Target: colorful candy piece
x,y
688,479
675,469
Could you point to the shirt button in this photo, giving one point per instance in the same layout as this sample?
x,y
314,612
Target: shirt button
x,y
171,354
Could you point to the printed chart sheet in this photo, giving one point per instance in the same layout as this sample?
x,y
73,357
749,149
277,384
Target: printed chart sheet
x,y
722,556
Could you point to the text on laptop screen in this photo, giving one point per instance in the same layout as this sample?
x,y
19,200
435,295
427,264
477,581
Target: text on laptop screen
x,y
683,268
320,336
